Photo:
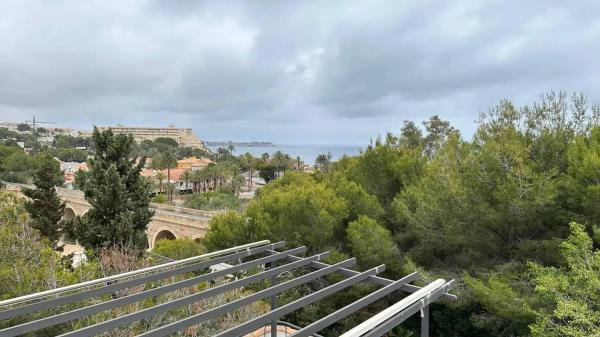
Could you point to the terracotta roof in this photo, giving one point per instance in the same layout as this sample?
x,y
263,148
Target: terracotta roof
x,y
175,173
193,162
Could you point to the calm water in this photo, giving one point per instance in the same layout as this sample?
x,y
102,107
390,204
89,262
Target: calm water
x,y
307,153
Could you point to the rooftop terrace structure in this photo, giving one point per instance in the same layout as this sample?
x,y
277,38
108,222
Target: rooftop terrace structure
x,y
183,136
257,262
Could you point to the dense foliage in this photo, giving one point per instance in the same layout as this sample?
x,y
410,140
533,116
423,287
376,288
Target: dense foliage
x,y
118,196
28,263
14,164
480,210
571,292
45,207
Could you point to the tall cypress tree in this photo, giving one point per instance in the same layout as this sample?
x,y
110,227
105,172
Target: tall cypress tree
x,y
45,207
119,196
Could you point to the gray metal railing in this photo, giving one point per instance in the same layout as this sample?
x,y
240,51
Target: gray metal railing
x,y
262,254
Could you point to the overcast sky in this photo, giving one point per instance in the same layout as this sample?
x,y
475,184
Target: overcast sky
x,y
296,72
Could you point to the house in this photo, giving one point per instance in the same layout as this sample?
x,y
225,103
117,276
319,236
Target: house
x,y
69,170
193,163
176,178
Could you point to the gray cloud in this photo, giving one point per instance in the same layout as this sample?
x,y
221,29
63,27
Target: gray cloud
x,y
336,71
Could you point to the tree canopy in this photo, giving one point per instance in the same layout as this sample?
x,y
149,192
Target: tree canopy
x,y
119,197
45,207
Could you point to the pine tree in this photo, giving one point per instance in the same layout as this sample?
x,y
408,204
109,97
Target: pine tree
x,y
45,207
119,196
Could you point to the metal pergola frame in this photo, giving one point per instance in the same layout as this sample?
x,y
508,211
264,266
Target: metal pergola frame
x,y
265,255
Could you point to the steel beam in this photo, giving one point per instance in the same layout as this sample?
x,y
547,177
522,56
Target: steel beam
x,y
35,296
394,321
92,309
161,308
34,307
425,321
375,279
302,302
218,311
346,311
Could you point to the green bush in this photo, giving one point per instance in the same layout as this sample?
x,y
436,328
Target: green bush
x,y
178,249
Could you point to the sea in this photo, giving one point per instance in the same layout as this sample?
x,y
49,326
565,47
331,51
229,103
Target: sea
x,y
307,153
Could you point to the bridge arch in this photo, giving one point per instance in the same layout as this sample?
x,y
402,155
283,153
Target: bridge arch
x,y
69,214
164,234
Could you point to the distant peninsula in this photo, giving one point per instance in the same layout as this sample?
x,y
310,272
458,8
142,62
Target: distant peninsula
x,y
240,144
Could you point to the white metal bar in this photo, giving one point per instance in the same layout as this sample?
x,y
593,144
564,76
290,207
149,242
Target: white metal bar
x,y
389,312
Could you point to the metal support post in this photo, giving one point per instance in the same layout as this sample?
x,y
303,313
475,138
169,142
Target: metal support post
x,y
274,301
425,321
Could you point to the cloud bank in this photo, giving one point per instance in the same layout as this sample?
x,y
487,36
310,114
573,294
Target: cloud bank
x,y
289,71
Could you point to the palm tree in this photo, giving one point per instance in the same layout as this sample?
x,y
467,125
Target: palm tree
x,y
236,184
160,178
197,178
298,162
231,148
323,162
167,160
250,162
170,190
279,160
186,176
210,175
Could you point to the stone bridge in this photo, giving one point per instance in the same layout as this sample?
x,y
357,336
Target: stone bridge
x,y
169,222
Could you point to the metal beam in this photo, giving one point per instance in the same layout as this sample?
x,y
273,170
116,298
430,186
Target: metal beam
x,y
425,321
47,293
161,308
375,279
346,311
302,302
33,307
92,309
394,321
225,308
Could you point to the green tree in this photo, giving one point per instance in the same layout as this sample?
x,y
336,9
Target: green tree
x,y
119,197
232,229
373,245
23,127
323,162
15,166
299,210
166,161
27,263
165,143
45,207
267,172
186,175
160,178
178,249
250,164
571,292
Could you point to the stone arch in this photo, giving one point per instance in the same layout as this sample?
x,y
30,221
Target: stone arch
x,y
69,214
164,234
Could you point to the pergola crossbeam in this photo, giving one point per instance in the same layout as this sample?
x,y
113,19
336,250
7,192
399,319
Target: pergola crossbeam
x,y
103,306
225,308
267,266
375,279
136,316
67,299
304,301
354,306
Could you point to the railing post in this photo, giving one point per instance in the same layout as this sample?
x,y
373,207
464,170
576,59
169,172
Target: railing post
x,y
425,321
273,301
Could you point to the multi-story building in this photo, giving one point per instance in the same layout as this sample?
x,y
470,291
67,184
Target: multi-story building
x,y
184,136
